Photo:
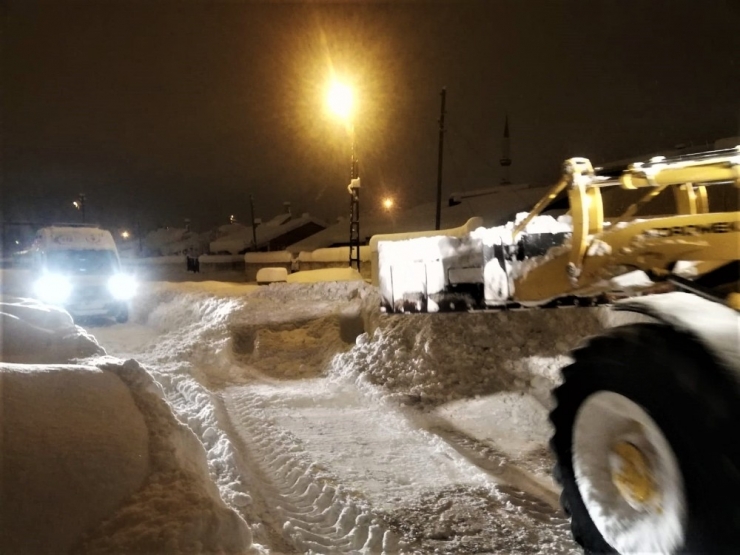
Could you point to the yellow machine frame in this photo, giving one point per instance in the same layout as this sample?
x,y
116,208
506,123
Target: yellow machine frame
x,y
600,250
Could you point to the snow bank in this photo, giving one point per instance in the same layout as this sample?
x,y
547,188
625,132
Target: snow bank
x,y
335,254
93,458
156,260
178,509
327,274
267,257
433,359
272,275
75,447
32,332
299,294
104,467
293,330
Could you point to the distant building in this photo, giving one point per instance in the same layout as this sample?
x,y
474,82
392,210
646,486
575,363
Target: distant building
x,y
495,205
274,235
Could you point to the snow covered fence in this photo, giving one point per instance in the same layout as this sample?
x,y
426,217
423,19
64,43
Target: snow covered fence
x,y
156,268
221,263
337,257
154,261
176,267
255,261
320,259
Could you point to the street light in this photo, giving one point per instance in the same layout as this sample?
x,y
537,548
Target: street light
x,y
388,205
340,100
125,234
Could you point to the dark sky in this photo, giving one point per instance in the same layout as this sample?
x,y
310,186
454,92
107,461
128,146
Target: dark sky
x,y
160,110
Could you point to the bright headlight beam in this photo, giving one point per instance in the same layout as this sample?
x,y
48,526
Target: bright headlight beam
x,y
122,287
53,288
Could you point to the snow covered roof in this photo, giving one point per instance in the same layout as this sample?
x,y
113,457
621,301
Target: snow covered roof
x,y
240,238
175,241
456,198
496,206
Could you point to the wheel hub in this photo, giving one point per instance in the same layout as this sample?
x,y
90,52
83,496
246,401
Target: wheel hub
x,y
633,476
628,476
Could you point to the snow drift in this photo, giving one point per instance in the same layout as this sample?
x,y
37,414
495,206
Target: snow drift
x,y
93,459
32,332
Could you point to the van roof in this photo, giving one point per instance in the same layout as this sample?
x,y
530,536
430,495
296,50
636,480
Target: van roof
x,y
78,238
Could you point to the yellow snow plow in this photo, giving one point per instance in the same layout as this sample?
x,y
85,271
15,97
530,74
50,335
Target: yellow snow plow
x,y
576,257
646,419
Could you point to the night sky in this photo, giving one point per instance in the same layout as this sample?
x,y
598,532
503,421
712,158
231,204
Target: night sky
x,y
160,111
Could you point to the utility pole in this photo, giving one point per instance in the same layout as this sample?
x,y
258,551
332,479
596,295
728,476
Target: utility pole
x,y
80,205
443,94
505,160
354,206
254,224
138,236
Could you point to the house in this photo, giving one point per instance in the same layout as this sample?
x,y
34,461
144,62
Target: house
x,y
274,235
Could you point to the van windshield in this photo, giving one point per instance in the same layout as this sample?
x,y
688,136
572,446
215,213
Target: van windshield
x,y
82,262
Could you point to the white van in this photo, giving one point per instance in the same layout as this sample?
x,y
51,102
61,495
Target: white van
x,y
78,268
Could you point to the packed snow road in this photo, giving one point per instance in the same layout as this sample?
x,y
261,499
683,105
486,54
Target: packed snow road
x,y
331,428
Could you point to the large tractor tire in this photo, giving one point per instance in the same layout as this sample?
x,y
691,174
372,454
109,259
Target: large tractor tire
x,y
647,442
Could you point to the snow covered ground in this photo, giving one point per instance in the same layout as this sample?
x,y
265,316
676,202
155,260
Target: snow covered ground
x,y
293,418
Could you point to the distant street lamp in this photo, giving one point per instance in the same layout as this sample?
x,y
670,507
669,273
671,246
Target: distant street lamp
x,y
125,234
79,204
341,102
388,205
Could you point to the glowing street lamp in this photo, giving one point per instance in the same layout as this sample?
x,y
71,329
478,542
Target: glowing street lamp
x,y
340,100
388,203
125,234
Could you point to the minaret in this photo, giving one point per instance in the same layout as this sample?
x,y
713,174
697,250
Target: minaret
x,y
505,160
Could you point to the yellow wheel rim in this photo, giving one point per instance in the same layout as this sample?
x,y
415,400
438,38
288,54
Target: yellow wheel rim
x,y
633,476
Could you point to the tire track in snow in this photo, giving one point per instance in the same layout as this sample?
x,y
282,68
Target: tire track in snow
x,y
318,515
512,479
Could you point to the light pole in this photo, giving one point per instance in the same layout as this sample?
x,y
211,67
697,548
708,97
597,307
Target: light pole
x,y
255,223
340,102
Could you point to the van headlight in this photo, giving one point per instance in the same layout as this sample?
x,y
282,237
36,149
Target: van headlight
x,y
53,288
122,287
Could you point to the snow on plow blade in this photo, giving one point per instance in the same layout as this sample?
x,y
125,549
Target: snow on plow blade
x,y
431,274
471,271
